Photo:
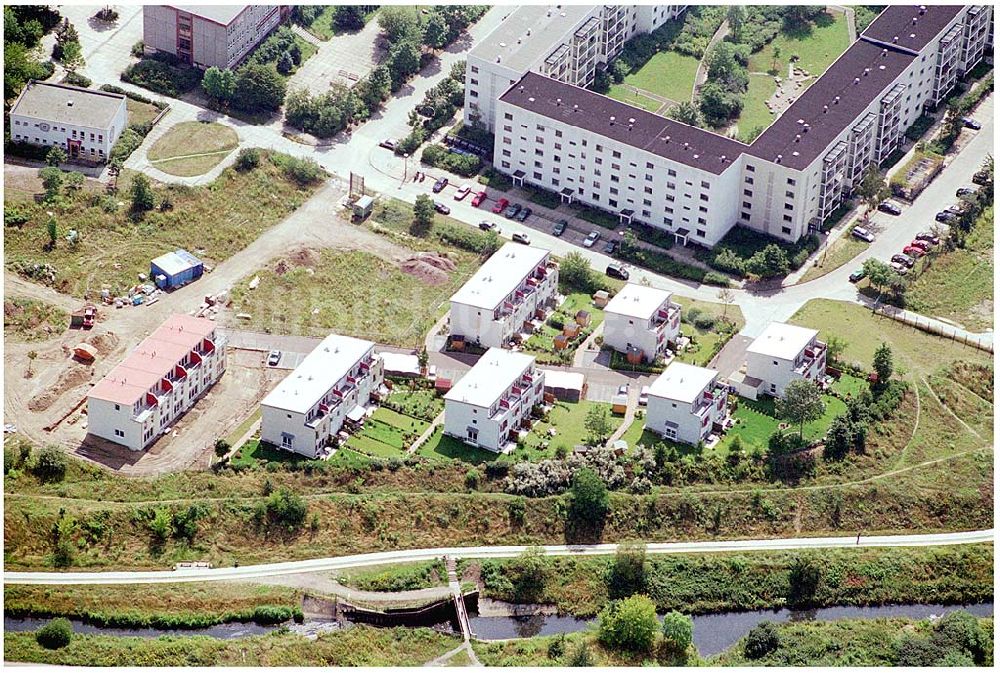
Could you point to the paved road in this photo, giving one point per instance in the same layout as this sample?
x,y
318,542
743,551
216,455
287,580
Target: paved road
x,y
414,555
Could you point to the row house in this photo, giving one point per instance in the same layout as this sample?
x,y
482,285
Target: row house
x,y
332,386
493,402
160,379
687,404
506,296
641,321
781,354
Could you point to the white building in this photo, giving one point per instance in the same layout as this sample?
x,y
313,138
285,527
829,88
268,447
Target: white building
x,y
566,42
333,384
505,295
84,122
696,184
159,380
782,354
642,319
493,401
208,35
687,403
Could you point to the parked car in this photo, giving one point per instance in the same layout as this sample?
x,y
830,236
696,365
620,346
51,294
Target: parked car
x,y
524,214
946,216
914,251
462,192
863,234
858,275
899,268
441,208
890,207
500,205
905,260
478,198
592,238
559,228
617,271
388,144
611,247
644,396
623,389
518,237
929,237
981,177
440,184
923,245
488,226
966,191
273,358
512,211
970,123
958,208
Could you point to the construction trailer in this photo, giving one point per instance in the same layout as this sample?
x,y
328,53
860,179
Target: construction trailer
x,y
175,269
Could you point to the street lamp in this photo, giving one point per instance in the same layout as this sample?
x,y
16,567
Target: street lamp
x,y
406,163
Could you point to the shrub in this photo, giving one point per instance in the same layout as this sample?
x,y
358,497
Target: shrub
x,y
50,466
76,79
287,509
55,635
704,322
629,624
127,143
302,171
677,631
589,502
761,641
248,159
465,165
716,278
161,74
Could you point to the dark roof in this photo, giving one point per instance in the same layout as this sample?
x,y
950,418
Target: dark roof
x,y
844,80
633,126
910,27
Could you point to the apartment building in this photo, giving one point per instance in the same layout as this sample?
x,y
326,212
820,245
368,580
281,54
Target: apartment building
x,y
493,401
687,404
209,35
566,42
781,354
333,385
84,122
641,320
696,184
514,288
159,380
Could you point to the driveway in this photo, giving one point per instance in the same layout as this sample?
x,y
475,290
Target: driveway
x,y
343,59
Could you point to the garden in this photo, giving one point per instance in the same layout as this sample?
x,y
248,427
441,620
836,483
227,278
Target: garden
x,y
541,342
387,434
745,252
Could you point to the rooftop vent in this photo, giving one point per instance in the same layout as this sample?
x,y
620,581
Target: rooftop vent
x,y
631,120
558,101
885,52
777,159
70,102
912,35
531,99
867,70
895,39
856,81
696,156
836,100
914,21
826,108
798,137
503,44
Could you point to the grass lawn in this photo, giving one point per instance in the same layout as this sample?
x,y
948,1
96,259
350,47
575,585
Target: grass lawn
x,y
418,402
849,385
635,431
958,285
387,434
837,254
626,94
755,114
140,113
540,343
237,433
568,420
115,247
669,74
701,352
322,26
32,319
817,46
187,167
192,146
380,302
442,447
255,453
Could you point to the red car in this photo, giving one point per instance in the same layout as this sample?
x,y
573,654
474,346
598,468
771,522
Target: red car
x,y
923,245
500,205
478,198
914,251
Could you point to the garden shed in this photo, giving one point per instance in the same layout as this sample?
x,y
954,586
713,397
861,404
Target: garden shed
x,y
175,269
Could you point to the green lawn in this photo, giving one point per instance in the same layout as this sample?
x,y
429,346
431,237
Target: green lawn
x,y
568,420
635,432
669,74
189,138
140,113
755,114
418,402
849,385
442,447
540,343
387,434
837,254
817,47
255,453
322,26
236,434
626,94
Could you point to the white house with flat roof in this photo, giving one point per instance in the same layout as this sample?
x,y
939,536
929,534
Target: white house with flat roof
x,y
493,401
781,354
513,288
643,319
686,403
333,384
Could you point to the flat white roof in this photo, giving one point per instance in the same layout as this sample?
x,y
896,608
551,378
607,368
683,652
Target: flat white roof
x,y
65,104
490,377
529,34
223,14
400,363
499,276
177,261
329,362
781,340
558,378
682,382
637,301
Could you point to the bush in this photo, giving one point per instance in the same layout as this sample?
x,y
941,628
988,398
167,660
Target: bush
x,y
138,49
76,79
248,159
761,641
55,635
287,509
50,466
629,624
302,171
465,165
127,143
161,74
677,631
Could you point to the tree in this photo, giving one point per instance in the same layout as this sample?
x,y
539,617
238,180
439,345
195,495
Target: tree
x,y
287,509
219,84
726,296
872,190
74,181
399,22
423,358
221,447
162,524
72,56
115,166
589,501
527,575
726,65
53,230
761,641
961,630
55,635
686,113
803,581
580,656
349,17
285,63
404,60
56,156
770,262
248,159
736,15
259,88
32,354
835,347
436,31
775,55
19,65
677,631
423,214
629,241
878,273
50,466
839,437
575,272
141,193
629,624
626,574
52,179
598,424
801,404
380,82
882,363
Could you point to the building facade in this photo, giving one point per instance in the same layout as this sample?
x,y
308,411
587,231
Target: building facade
x,y
687,404
83,122
208,35
159,380
781,354
333,384
492,403
641,320
515,287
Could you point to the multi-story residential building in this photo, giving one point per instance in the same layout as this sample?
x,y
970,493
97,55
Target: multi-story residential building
x,y
209,35
781,354
332,385
641,320
493,401
565,42
687,403
515,286
84,122
159,380
553,134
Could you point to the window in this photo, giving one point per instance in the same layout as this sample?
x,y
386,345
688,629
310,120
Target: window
x,y
745,216
671,172
786,218
647,202
558,134
748,180
701,220
286,440
789,195
703,197
747,192
746,204
600,148
508,116
791,181
612,203
671,185
700,233
508,128
705,185
789,206
616,154
614,190
475,68
474,81
539,127
598,160
472,434
119,433
649,165
750,168
118,407
786,230
537,175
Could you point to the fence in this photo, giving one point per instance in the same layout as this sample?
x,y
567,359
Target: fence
x,y
937,328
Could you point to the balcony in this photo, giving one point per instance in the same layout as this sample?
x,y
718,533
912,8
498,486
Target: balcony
x,y
810,357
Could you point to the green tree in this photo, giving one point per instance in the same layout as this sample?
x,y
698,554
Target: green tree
x,y
219,84
598,424
770,262
719,104
727,297
629,624
162,524
72,56
248,159
801,403
626,574
399,23
74,181
50,466
803,581
52,180
580,657
527,574
141,193
55,156
872,190
53,230
882,363
678,631
575,273
835,347
285,63
878,273
436,31
403,61
349,17
686,113
286,508
19,65
259,88
423,214
32,355
839,437
221,447
761,641
962,631
589,502
380,81
55,635
736,15
775,56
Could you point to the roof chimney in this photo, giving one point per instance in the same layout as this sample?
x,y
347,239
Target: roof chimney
x,y
798,137
914,21
70,102
777,159
857,80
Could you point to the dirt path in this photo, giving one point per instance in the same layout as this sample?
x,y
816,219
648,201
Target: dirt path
x,y
702,73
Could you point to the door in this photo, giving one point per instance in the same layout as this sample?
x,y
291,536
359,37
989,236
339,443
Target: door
x,y
74,148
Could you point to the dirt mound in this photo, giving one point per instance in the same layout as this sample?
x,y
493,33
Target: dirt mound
x,y
304,257
76,375
281,268
429,268
103,343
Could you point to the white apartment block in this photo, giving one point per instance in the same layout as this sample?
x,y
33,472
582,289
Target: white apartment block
x,y
565,42
208,35
159,380
515,287
687,403
697,184
84,122
781,354
642,319
333,384
493,401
